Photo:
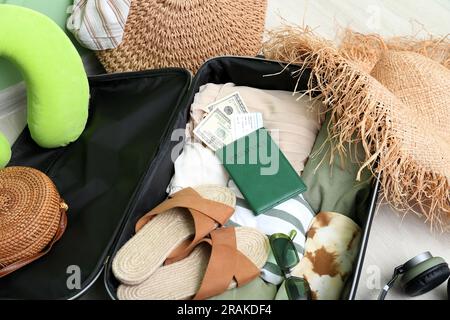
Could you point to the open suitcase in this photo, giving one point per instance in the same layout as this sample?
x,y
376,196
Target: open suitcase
x,y
120,167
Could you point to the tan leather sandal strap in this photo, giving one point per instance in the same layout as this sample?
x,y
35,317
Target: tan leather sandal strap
x,y
246,271
203,226
190,199
207,215
222,263
225,264
175,201
21,263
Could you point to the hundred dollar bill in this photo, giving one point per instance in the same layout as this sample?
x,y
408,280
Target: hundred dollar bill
x,y
230,104
215,130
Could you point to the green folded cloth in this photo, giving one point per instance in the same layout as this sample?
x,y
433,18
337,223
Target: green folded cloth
x,y
257,289
334,188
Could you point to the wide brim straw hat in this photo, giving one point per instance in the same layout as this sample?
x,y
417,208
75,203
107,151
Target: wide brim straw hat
x,y
392,96
186,33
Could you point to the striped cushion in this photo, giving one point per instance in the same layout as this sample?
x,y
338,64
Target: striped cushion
x,y
98,24
294,213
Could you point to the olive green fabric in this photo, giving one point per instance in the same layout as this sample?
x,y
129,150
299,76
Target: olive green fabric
x,y
334,187
257,289
54,9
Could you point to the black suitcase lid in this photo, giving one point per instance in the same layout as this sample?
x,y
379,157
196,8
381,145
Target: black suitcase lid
x,y
120,167
99,176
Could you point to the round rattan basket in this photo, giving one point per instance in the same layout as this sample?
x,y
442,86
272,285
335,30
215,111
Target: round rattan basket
x,y
30,213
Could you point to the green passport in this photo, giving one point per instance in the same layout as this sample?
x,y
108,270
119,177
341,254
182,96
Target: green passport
x,y
260,170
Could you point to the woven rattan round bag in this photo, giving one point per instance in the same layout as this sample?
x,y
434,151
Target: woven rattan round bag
x,y
32,217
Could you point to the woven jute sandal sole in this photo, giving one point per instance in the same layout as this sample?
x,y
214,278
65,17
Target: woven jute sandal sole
x,y
182,280
152,244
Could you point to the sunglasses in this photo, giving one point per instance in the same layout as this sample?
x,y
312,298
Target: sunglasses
x,y
286,256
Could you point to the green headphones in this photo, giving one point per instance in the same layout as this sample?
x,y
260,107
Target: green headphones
x,y
419,275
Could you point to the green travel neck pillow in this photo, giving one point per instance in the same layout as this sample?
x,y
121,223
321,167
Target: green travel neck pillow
x,y
57,85
5,151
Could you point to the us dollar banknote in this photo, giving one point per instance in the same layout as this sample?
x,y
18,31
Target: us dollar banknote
x,y
215,130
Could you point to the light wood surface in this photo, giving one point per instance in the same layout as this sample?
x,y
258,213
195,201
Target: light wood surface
x,y
393,240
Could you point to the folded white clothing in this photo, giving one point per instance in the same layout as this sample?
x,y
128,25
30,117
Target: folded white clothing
x,y
197,165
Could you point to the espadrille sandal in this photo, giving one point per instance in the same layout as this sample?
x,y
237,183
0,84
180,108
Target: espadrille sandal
x,y
230,257
171,231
